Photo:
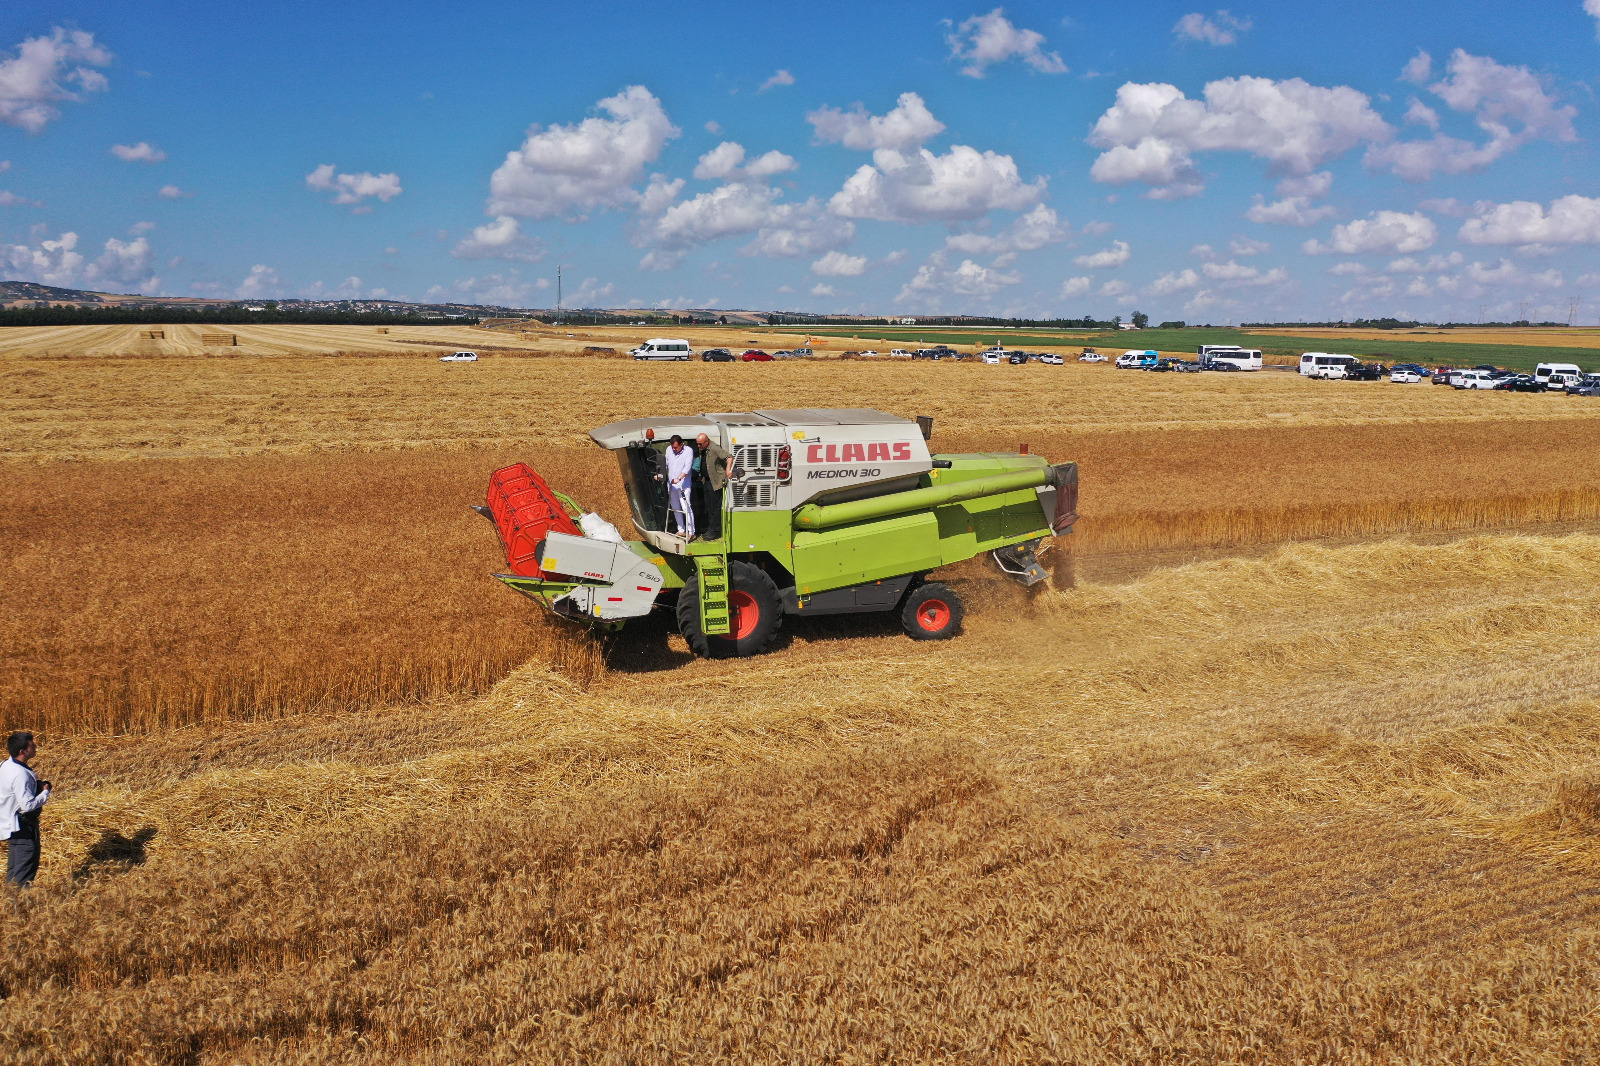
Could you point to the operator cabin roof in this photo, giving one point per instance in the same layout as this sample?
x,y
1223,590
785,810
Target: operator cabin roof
x,y
621,434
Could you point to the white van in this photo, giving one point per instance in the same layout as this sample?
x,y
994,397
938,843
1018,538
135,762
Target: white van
x,y
1558,375
664,348
1474,379
1243,358
1325,365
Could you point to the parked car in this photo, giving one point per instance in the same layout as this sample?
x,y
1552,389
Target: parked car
x,y
991,358
1190,366
1365,371
1441,375
800,353
459,357
1588,385
1137,360
1521,383
1017,358
1404,375
925,353
1223,366
868,354
756,355
1051,358
1160,366
664,348
1473,379
716,355
899,353
1091,356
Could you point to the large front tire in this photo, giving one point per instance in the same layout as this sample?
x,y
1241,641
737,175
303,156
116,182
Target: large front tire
x,y
755,611
932,611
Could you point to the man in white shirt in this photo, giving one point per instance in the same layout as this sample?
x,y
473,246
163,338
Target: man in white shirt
x,y
22,794
680,465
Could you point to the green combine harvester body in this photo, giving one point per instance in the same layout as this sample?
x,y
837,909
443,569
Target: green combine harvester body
x,y
824,512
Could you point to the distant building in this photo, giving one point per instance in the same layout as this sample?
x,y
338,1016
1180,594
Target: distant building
x,y
906,322
1126,325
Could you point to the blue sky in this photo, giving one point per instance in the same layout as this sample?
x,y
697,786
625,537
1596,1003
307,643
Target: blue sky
x,y
1429,160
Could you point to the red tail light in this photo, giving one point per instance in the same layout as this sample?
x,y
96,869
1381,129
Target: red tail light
x,y
783,463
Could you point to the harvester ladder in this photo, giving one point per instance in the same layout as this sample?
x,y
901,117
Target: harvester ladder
x,y
714,613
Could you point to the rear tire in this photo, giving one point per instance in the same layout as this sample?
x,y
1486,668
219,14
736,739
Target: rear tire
x,y
932,611
755,606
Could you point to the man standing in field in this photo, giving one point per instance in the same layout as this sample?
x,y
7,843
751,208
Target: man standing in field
x,y
680,469
712,466
22,795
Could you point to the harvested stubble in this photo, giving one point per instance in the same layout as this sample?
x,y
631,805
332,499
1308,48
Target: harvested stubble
x,y
1312,829
163,406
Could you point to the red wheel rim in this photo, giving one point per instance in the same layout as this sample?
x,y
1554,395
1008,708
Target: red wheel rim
x,y
933,615
746,613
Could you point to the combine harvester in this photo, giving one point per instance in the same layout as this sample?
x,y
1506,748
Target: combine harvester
x,y
826,512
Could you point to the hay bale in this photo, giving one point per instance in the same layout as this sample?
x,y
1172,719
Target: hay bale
x,y
594,350
155,334
223,339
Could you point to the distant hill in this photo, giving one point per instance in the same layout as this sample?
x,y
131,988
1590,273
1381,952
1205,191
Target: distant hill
x,y
32,292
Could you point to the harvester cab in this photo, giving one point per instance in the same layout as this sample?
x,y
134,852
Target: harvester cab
x,y
834,511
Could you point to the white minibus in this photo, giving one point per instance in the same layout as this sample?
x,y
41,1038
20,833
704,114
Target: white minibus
x,y
1325,365
1243,358
1558,375
663,348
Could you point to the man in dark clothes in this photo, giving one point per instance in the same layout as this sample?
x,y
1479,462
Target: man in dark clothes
x,y
712,466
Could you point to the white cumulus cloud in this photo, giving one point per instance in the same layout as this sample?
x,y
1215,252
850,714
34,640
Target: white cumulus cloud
x,y
936,281
127,263
510,289
984,40
1510,104
353,188
47,71
143,152
1074,287
1569,220
782,77
566,170
960,185
262,281
49,262
1237,274
1222,28
172,192
909,124
1151,132
840,265
1167,284
1382,232
1295,207
726,162
1113,256
499,239
1028,232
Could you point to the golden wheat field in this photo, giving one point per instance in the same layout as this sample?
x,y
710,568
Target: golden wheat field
x,y
1302,767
